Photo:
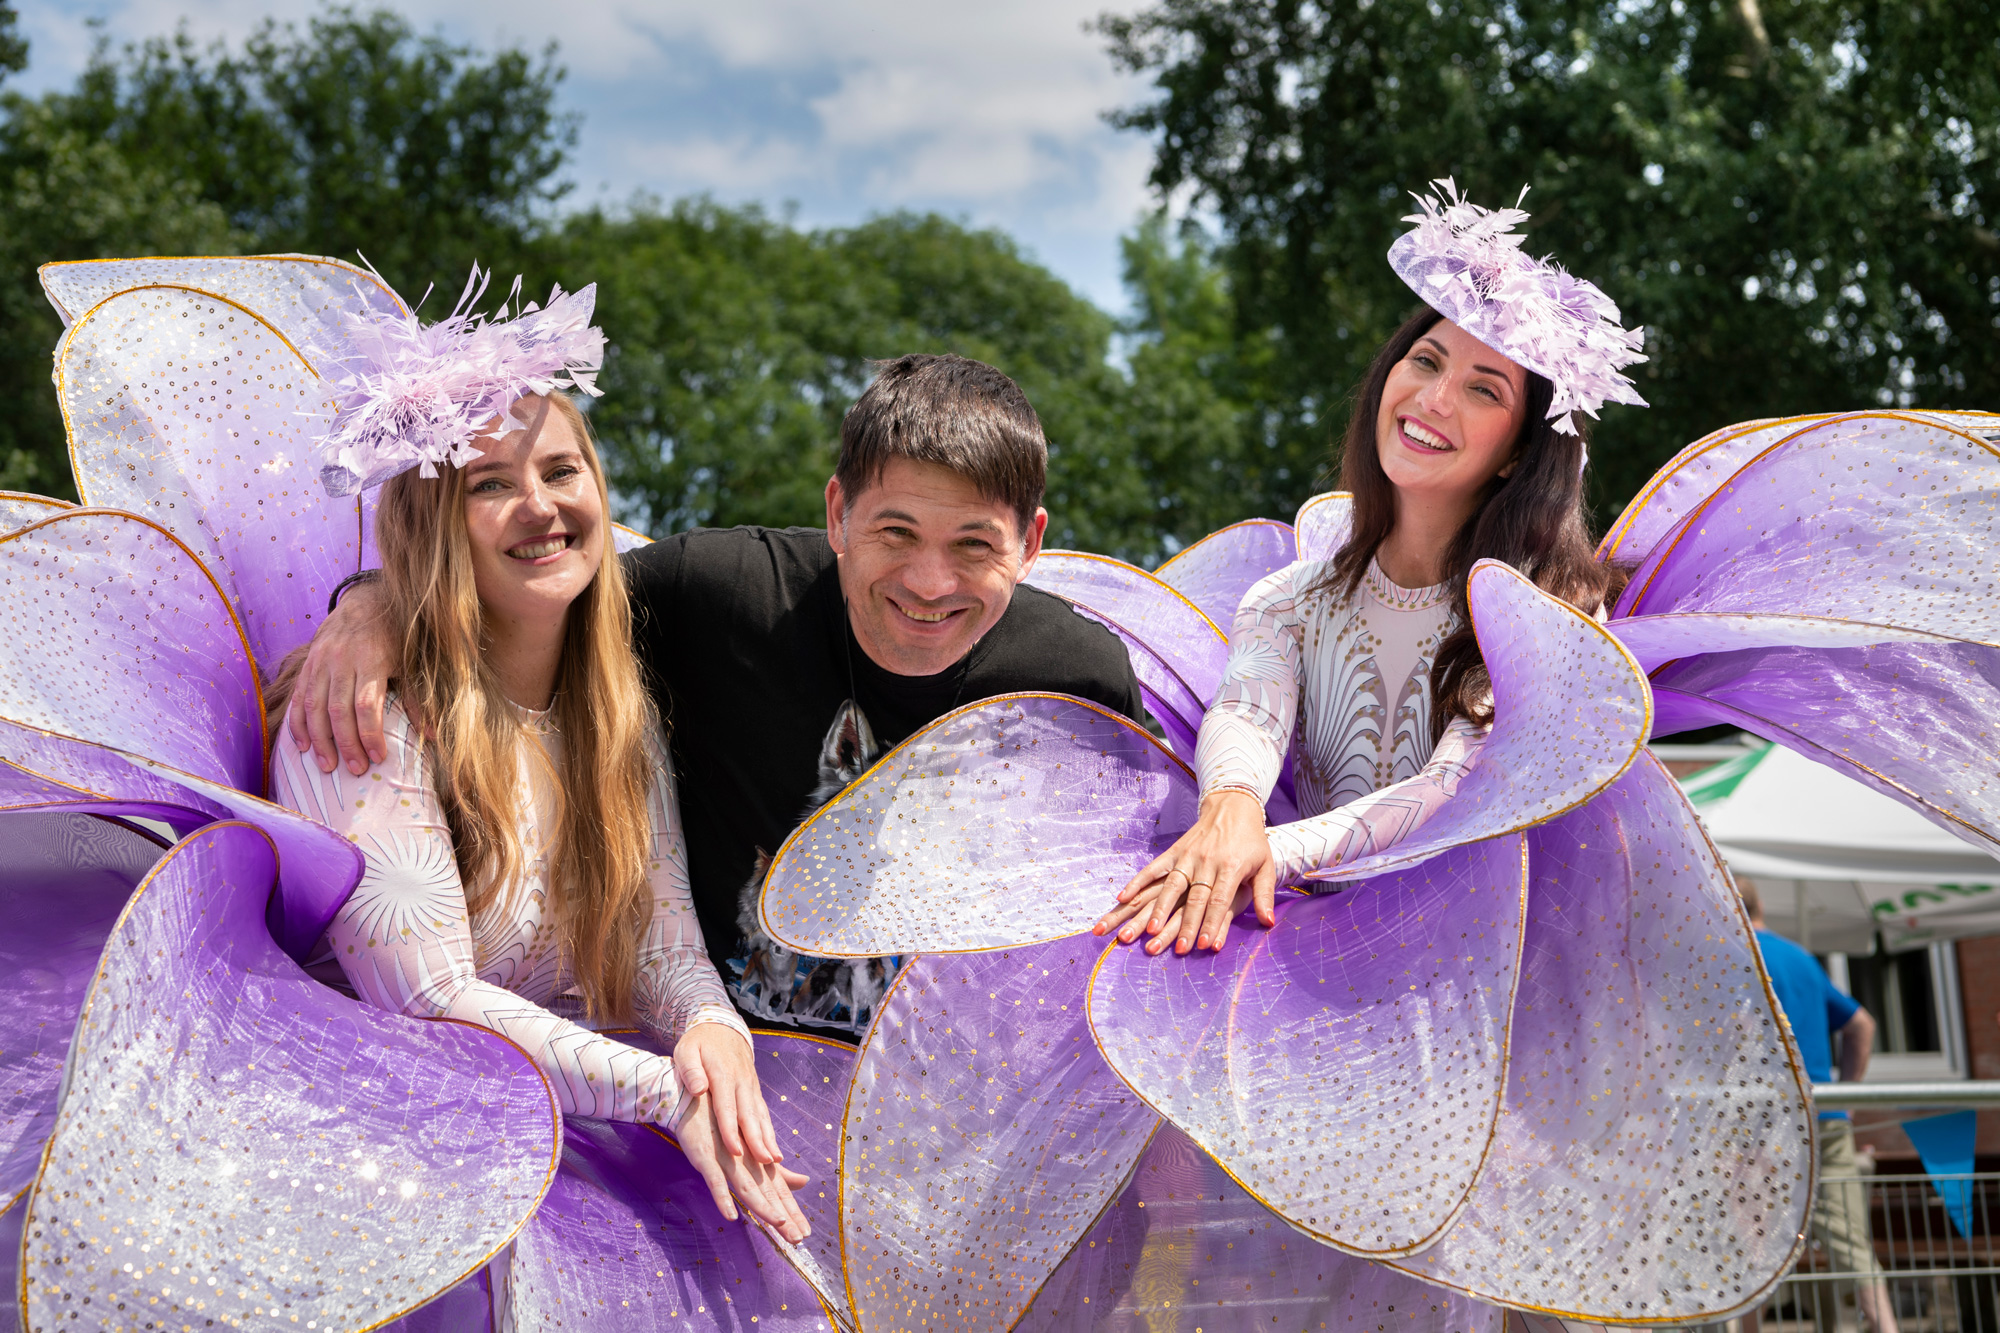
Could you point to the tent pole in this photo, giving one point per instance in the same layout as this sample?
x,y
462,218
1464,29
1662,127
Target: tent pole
x,y
1805,918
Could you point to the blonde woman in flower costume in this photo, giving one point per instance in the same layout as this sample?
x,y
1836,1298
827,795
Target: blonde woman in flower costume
x,y
524,861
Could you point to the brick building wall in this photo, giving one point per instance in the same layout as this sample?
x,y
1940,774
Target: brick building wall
x,y
1979,988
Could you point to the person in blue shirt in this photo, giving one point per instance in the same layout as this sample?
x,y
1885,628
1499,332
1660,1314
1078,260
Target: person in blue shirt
x,y
1818,1011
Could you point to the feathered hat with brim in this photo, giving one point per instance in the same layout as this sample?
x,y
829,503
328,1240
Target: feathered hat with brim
x,y
1467,264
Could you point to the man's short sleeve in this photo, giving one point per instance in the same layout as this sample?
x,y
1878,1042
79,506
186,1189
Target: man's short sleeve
x,y
653,571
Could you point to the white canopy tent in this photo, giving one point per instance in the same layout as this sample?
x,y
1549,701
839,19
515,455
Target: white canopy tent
x,y
1835,861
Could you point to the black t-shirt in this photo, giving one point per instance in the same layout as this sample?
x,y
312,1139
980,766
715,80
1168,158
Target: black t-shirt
x,y
745,643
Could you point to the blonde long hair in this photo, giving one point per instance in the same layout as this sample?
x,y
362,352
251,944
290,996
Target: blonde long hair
x,y
598,888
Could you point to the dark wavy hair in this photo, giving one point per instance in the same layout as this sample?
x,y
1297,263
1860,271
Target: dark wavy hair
x,y
1531,519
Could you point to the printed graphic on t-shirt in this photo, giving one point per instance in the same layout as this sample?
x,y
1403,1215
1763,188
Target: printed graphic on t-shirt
x,y
776,985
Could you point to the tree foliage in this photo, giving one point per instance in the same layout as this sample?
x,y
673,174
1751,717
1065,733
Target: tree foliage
x,y
1798,198
739,342
354,134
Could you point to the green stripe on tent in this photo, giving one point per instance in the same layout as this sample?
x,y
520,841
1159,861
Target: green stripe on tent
x,y
1719,781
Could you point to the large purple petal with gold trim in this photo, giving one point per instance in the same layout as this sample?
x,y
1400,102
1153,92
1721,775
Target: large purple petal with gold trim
x,y
196,412
1143,605
1345,1066
1689,478
1699,470
280,1149
1838,594
113,633
64,879
302,295
628,1237
125,687
1006,823
1653,1161
1184,1250
1216,571
984,1134
1884,521
1914,721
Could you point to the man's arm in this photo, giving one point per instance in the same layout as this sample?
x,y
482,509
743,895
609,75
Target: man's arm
x,y
1857,1041
337,702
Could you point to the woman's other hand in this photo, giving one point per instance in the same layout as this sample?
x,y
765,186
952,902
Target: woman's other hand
x,y
714,1060
766,1189
1188,895
337,702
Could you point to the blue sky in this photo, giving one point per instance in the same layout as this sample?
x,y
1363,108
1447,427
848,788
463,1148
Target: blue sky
x,y
988,112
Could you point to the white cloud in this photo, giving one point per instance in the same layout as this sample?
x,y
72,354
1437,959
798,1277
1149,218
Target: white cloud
x,y
990,112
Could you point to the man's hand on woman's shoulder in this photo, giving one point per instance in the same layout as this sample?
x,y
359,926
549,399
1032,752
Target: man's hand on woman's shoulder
x,y
337,704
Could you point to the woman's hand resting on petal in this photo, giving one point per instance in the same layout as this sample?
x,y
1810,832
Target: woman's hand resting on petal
x,y
765,1189
727,1133
1188,895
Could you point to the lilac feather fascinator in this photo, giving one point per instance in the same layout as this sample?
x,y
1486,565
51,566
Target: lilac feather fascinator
x,y
1466,262
409,394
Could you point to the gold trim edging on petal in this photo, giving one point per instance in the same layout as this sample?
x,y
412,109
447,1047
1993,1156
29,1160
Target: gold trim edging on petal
x,y
1186,551
1783,1270
1607,549
90,997
340,264
548,1177
228,606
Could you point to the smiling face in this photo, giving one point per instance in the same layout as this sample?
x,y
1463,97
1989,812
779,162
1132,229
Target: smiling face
x,y
1451,412
534,516
927,564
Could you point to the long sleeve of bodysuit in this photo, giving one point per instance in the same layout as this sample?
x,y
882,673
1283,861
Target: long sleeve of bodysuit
x,y
406,942
1246,732
1308,849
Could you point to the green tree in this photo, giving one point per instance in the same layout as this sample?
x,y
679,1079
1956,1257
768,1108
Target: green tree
x,y
353,135
738,342
1192,408
1798,198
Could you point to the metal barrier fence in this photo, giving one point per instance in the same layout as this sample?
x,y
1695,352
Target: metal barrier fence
x,y
1896,1253
1915,1270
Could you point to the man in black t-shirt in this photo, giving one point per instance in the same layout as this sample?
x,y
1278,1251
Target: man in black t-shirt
x,y
909,604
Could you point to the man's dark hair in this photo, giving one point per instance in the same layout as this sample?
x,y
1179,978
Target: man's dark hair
x,y
955,413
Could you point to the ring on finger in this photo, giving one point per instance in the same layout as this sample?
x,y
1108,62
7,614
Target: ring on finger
x,y
1193,885
1182,873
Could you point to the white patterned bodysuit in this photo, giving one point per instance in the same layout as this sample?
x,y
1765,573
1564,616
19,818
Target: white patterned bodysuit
x,y
405,943
1347,680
